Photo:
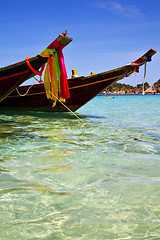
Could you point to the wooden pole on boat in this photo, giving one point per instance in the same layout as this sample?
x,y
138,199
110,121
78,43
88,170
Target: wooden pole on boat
x,y
144,76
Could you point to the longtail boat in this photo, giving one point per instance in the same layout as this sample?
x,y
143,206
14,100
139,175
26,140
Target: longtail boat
x,y
42,96
14,75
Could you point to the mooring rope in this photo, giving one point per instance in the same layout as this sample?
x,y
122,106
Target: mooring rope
x,y
23,95
67,108
145,68
64,105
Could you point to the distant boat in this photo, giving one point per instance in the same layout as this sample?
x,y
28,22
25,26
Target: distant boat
x,y
81,89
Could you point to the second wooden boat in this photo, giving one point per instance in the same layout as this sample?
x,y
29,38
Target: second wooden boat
x,y
82,89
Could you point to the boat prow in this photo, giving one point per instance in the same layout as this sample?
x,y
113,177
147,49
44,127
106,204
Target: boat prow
x,y
14,75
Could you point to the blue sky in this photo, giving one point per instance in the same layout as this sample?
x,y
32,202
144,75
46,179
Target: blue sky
x,y
106,34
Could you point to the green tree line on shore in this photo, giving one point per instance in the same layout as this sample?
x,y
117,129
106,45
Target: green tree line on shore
x,y
121,88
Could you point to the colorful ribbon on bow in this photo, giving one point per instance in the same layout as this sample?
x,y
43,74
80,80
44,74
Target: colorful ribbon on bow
x,y
55,77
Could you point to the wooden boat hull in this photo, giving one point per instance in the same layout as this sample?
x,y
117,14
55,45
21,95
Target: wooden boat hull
x,y
14,75
82,90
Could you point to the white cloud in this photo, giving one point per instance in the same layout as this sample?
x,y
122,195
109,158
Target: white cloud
x,y
124,10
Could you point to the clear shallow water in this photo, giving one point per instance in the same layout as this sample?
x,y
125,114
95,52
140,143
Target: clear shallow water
x,y
60,179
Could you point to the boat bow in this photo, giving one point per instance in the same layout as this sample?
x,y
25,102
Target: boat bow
x,y
14,75
147,57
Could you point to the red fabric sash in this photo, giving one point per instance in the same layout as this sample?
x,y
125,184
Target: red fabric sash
x,y
64,89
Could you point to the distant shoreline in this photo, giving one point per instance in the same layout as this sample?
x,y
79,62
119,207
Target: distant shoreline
x,y
128,95
124,89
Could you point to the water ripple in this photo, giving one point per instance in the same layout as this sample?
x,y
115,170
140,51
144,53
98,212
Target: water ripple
x,y
62,180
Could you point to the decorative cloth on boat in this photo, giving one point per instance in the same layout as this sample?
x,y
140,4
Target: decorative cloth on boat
x,y
55,77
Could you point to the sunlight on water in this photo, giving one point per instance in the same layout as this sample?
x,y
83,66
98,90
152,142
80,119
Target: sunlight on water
x,y
64,180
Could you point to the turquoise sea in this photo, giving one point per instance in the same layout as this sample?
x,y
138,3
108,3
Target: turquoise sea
x,y
61,179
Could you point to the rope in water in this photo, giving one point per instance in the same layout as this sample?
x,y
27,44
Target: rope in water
x,y
64,105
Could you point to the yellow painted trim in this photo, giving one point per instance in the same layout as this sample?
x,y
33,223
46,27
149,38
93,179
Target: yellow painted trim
x,y
87,84
29,94
84,85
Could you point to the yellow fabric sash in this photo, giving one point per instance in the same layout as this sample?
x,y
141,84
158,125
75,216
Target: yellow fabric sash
x,y
50,76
